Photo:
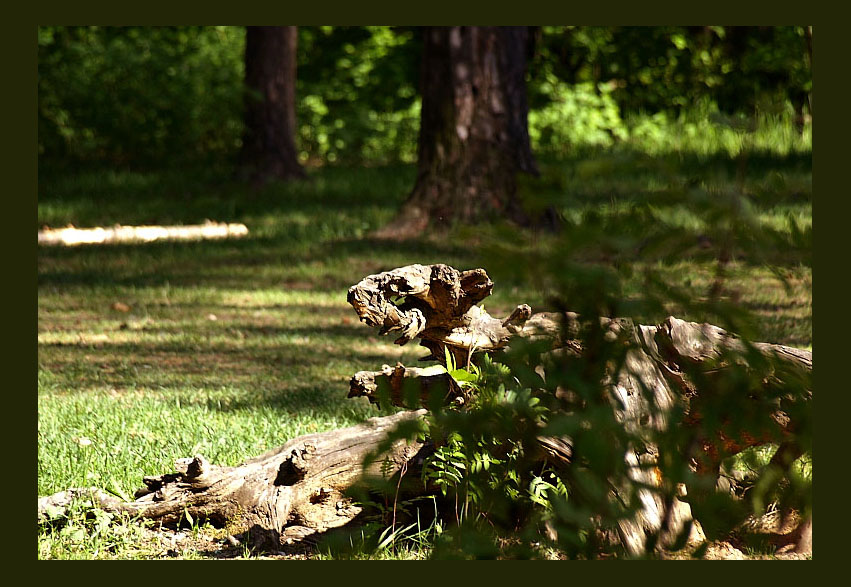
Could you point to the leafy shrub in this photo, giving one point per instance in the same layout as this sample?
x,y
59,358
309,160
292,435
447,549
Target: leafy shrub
x,y
358,97
576,116
141,95
165,96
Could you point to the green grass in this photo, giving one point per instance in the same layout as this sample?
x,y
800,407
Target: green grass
x,y
232,347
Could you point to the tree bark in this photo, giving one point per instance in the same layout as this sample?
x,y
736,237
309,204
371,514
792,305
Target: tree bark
x,y
437,304
268,150
474,137
70,236
301,488
282,496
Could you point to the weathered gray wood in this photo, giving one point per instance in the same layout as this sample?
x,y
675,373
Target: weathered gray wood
x,y
284,495
410,299
437,304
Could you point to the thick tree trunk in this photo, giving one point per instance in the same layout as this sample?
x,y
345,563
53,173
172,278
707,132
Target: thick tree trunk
x,y
268,150
473,131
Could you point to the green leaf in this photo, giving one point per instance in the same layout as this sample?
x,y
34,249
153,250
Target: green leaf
x,y
450,360
463,376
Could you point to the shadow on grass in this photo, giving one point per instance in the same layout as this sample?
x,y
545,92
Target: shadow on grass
x,y
96,197
320,227
278,367
313,237
254,263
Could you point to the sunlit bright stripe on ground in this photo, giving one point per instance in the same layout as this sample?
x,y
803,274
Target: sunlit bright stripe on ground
x,y
76,236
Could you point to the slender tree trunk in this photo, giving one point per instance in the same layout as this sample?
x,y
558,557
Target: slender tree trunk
x,y
268,150
808,32
473,138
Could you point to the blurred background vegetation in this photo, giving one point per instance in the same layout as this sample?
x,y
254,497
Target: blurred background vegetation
x,y
145,97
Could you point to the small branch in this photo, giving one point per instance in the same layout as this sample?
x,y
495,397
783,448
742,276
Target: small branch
x,y
407,387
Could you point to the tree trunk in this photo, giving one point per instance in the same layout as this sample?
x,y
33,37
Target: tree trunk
x,y
473,130
268,149
438,304
282,496
302,488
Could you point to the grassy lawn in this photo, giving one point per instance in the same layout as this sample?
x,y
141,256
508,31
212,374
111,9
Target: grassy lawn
x,y
148,353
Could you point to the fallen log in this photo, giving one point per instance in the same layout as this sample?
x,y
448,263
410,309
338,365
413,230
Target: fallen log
x,y
301,488
669,369
406,387
661,361
282,496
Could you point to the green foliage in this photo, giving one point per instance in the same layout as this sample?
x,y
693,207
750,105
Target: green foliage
x,y
141,95
669,68
478,467
576,116
358,97
474,465
666,88
164,96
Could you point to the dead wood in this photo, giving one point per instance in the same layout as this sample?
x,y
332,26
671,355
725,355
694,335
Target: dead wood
x,y
300,489
284,495
407,387
437,304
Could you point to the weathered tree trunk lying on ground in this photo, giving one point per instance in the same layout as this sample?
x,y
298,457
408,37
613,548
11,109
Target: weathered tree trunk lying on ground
x,y
299,489
284,495
437,304
682,342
